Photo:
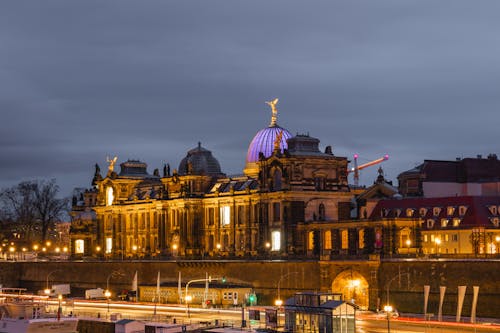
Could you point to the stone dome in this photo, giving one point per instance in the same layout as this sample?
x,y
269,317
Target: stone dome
x,y
200,161
264,140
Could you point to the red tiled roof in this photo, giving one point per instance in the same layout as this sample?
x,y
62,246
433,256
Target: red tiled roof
x,y
477,213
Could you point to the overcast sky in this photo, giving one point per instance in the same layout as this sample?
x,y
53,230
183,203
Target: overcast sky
x,y
80,80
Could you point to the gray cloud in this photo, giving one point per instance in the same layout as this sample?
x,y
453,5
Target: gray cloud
x,y
84,79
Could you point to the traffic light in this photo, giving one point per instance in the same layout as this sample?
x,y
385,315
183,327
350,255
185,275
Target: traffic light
x,y
252,299
223,280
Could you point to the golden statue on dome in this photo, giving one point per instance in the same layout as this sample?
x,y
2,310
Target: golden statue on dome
x,y
111,162
274,111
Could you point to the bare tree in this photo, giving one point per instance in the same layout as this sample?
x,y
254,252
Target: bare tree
x,y
49,209
18,205
33,206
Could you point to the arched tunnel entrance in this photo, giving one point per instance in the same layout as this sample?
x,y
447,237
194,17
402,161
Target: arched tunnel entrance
x,y
354,288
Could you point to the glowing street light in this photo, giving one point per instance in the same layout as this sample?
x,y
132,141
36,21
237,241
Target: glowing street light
x,y
408,244
107,294
388,310
188,299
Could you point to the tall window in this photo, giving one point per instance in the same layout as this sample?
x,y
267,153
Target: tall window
x,y
275,241
109,244
321,212
276,211
328,240
109,196
345,239
79,246
361,237
210,216
310,240
225,215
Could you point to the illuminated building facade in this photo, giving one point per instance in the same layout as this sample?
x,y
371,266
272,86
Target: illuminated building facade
x,y
197,211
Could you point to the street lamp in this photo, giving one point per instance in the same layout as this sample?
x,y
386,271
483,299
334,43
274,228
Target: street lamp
x,y
408,244
279,284
188,299
388,311
107,294
47,289
59,309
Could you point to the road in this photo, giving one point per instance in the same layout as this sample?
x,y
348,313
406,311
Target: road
x,y
167,313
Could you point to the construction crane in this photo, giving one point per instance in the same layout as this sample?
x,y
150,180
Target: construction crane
x,y
356,168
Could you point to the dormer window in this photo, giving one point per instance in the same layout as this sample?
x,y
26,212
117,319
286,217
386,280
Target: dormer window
x,y
493,210
450,210
422,212
430,223
456,222
444,223
495,221
436,211
409,212
462,210
398,212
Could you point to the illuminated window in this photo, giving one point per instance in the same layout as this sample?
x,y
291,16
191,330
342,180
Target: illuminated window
x,y
456,222
436,211
328,240
446,238
79,246
450,210
109,244
310,243
425,238
444,223
225,215
109,196
361,237
409,212
345,239
276,241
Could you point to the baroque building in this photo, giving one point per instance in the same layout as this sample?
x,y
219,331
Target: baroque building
x,y
197,211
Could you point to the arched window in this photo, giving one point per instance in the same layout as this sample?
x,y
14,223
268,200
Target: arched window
x,y
321,212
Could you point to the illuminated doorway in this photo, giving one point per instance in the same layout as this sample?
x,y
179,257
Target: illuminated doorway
x,y
353,287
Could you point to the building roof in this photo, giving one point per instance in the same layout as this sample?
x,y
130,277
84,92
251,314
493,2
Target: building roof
x,y
465,211
263,142
467,170
305,145
199,161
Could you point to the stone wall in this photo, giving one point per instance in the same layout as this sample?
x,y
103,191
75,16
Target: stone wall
x,y
405,278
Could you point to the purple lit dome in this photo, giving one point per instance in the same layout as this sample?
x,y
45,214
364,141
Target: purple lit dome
x,y
263,142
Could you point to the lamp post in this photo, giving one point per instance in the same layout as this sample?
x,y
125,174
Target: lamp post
x,y
107,294
388,311
59,309
279,300
188,299
47,289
